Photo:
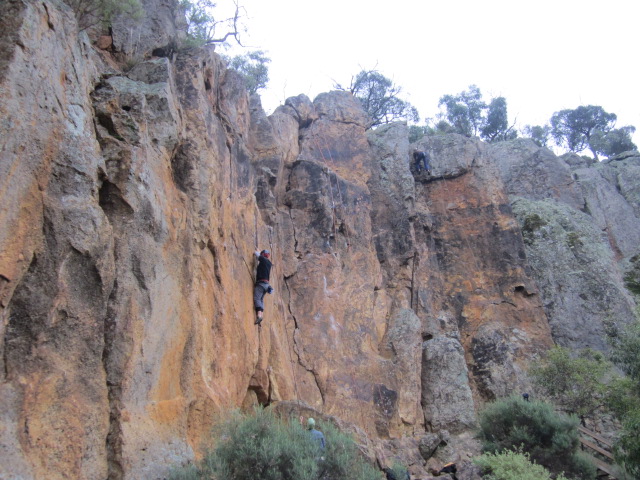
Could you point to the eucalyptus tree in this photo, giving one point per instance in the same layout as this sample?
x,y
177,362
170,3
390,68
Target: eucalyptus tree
x,y
253,67
379,97
575,128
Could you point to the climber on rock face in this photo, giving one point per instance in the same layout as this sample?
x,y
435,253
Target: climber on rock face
x,y
262,282
421,159
451,469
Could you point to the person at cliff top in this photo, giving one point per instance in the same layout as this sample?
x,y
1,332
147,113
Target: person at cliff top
x,y
421,159
316,435
262,283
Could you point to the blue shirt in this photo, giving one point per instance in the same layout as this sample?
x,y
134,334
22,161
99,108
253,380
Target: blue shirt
x,y
318,436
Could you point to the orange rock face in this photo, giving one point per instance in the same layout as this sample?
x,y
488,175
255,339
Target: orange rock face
x,y
131,206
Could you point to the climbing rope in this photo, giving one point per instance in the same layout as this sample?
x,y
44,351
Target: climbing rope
x,y
328,173
284,324
342,203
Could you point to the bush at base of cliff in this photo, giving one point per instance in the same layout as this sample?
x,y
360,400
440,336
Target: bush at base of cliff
x,y
510,465
574,380
626,401
263,446
550,439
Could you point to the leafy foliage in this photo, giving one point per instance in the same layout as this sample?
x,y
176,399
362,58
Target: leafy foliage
x,y
627,449
262,446
612,142
496,126
342,459
379,98
253,68
202,25
469,115
464,111
90,13
626,351
551,439
512,465
539,134
574,128
625,399
416,132
575,383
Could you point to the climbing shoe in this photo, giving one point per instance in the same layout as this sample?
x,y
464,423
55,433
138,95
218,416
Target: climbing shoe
x,y
258,320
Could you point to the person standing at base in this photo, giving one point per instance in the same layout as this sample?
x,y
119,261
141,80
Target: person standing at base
x,y
316,435
262,286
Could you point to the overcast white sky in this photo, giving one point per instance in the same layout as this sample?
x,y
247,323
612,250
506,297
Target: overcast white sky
x,y
541,55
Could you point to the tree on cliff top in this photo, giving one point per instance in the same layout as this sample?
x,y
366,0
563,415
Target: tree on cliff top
x,y
204,29
538,133
613,142
253,68
496,127
379,98
575,128
464,111
90,13
469,115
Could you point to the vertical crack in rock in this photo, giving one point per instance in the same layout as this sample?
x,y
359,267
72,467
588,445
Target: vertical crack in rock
x,y
114,437
413,277
118,212
293,227
216,261
296,348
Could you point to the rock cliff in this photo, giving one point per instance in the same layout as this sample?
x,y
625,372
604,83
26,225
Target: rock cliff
x,y
132,202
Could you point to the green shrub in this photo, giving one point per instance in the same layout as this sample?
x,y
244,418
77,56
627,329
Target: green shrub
x,y
510,465
90,13
263,446
627,448
342,459
551,439
574,380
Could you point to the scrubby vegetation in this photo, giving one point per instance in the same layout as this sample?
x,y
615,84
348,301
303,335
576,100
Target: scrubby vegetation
x,y
549,438
531,224
575,382
512,465
625,398
585,382
261,445
90,13
253,67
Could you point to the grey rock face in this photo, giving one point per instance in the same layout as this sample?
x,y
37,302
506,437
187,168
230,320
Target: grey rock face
x,y
535,173
446,397
580,224
576,161
301,108
604,200
576,271
393,192
162,27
